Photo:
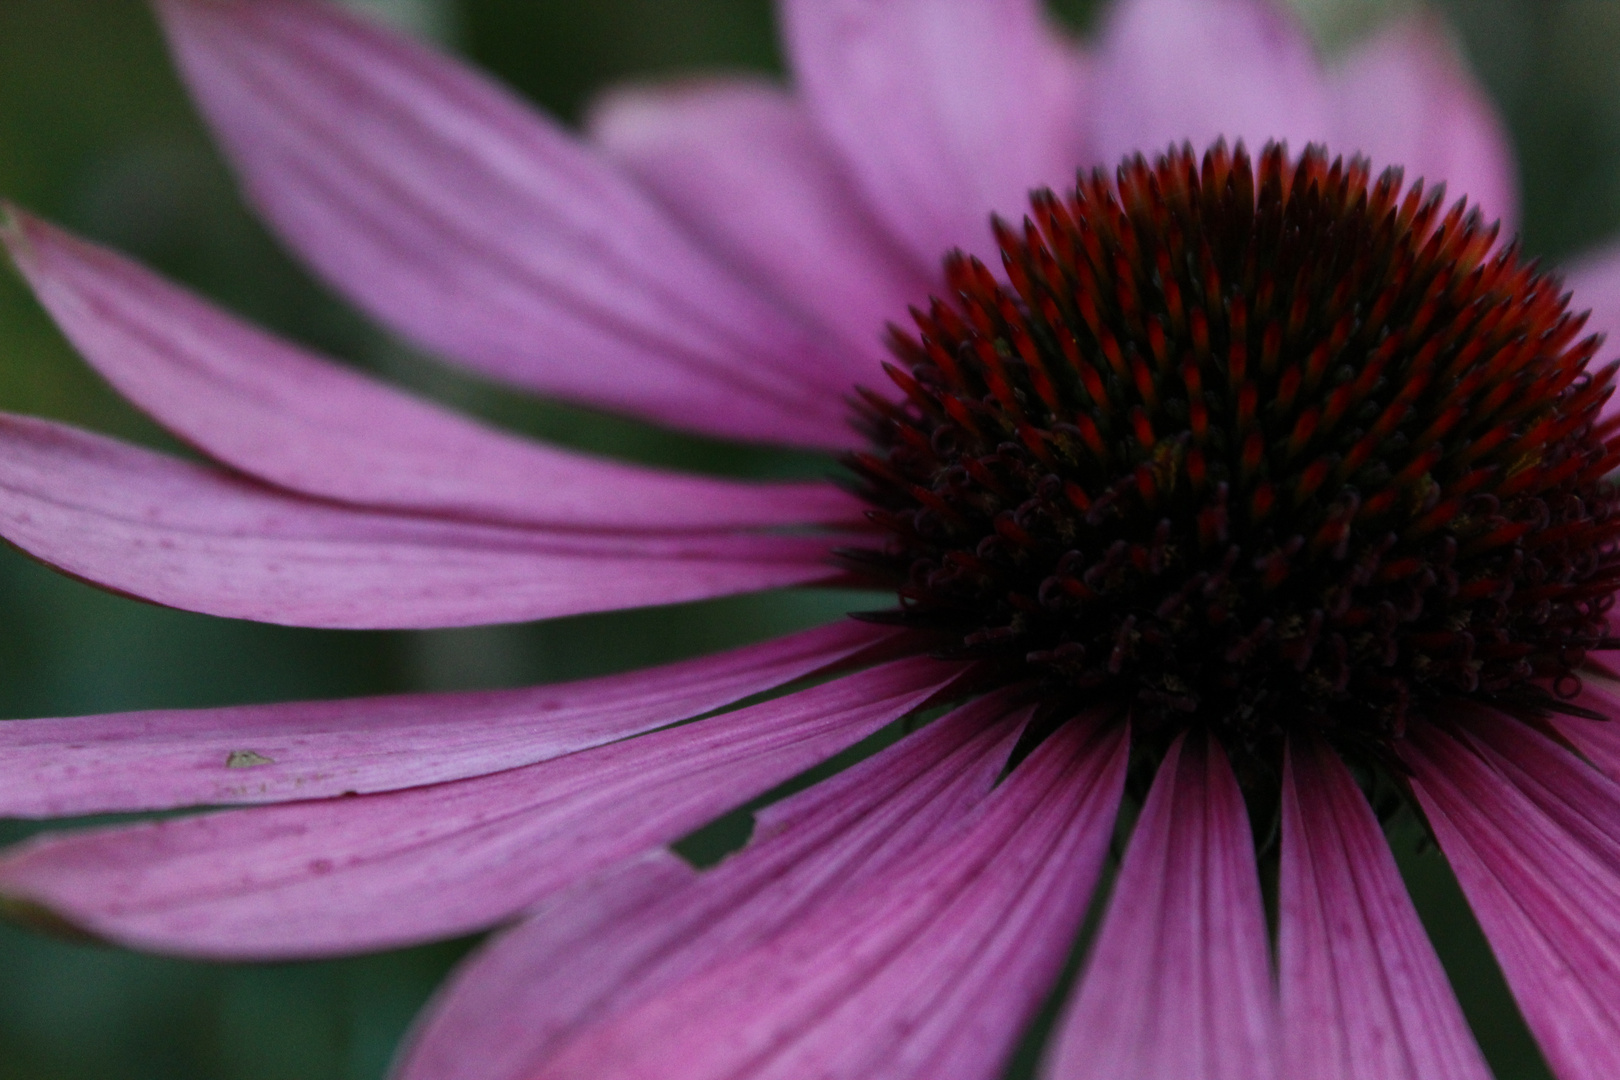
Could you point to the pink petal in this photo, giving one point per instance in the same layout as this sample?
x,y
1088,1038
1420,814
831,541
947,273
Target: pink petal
x,y
945,111
318,749
742,164
1407,98
1594,282
927,971
1533,834
617,941
1363,993
190,537
296,420
1597,740
1178,984
1172,70
376,871
448,209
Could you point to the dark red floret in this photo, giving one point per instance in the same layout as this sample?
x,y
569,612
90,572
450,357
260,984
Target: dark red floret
x,y
1255,448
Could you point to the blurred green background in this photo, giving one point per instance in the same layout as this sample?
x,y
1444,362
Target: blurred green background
x,y
95,133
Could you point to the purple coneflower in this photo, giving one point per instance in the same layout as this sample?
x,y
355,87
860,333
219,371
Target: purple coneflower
x,y
1224,488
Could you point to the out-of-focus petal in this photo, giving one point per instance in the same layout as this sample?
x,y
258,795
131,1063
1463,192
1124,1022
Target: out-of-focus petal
x,y
454,213
284,415
945,111
191,537
1406,98
1533,834
1178,984
929,970
1169,70
616,941
375,871
742,164
1363,993
1594,282
162,760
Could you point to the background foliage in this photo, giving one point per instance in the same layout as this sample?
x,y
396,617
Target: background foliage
x,y
95,132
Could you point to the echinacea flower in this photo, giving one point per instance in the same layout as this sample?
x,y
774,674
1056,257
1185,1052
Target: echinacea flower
x,y
1220,487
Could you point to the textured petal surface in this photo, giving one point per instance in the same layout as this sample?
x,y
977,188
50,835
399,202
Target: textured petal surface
x,y
1533,834
617,941
1363,994
375,871
162,760
946,110
1597,740
294,419
454,213
742,164
928,971
1170,70
1406,98
195,538
1178,984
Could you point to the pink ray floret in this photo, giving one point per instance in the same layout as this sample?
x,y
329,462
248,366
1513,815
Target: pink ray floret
x,y
755,261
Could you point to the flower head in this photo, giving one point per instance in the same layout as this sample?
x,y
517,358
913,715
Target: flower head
x,y
1259,449
1223,487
